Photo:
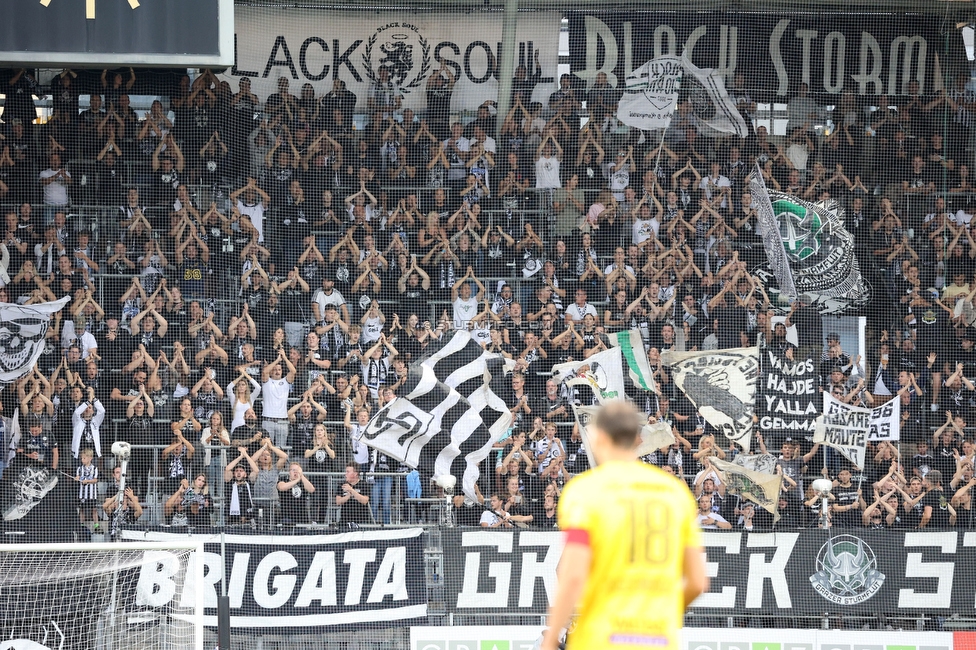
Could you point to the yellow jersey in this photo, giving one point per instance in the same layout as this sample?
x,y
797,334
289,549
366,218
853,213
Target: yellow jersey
x,y
637,521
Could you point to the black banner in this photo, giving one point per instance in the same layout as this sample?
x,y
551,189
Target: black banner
x,y
282,583
799,572
869,54
789,398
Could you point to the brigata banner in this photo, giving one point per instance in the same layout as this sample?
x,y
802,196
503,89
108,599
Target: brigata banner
x,y
346,580
871,54
787,573
308,45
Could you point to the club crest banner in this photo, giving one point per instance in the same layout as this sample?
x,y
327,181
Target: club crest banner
x,y
811,250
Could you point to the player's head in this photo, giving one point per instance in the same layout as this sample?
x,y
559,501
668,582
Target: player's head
x,y
615,430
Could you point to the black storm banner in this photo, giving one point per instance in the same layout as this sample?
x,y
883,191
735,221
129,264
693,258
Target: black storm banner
x,y
868,54
805,572
304,581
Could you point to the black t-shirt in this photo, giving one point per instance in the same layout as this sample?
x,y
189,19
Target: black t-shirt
x,y
938,500
354,511
847,496
294,502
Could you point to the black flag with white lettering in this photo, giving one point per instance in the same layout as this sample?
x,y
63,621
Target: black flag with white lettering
x,y
789,400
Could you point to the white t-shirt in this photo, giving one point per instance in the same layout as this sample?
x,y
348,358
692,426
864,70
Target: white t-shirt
x,y
490,518
275,403
55,193
334,298
577,313
547,173
360,452
717,518
256,214
643,229
372,329
464,310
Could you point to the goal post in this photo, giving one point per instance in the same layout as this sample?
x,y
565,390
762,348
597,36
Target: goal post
x,y
105,596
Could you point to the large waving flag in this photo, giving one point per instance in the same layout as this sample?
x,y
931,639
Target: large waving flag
x,y
713,107
603,372
722,386
23,331
809,250
651,94
449,414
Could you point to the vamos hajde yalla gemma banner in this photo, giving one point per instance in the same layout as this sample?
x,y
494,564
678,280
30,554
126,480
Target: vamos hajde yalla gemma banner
x,y
306,45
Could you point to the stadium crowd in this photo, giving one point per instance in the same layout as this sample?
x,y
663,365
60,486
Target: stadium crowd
x,y
249,277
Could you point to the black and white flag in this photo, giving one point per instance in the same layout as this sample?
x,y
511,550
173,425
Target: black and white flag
x,y
23,331
653,435
448,415
809,249
722,386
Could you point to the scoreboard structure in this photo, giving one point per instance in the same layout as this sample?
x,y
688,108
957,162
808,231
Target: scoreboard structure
x,y
112,33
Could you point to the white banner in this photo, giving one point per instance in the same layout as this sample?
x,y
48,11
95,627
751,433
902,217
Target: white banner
x,y
722,386
316,46
651,94
885,421
692,638
843,427
603,372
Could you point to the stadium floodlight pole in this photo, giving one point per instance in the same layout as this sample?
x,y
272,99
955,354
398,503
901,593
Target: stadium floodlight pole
x,y
505,65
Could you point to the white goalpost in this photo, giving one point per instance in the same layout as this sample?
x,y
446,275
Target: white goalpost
x,y
130,596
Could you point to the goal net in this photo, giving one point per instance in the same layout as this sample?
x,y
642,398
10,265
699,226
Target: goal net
x,y
100,597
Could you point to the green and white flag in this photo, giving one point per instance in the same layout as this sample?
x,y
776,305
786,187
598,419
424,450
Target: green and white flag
x,y
809,250
603,372
632,348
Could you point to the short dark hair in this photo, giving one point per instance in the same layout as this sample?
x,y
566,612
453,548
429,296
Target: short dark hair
x,y
934,477
620,422
353,464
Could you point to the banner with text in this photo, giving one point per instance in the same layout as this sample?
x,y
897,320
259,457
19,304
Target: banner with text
x,y
868,54
790,396
307,45
787,573
283,583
